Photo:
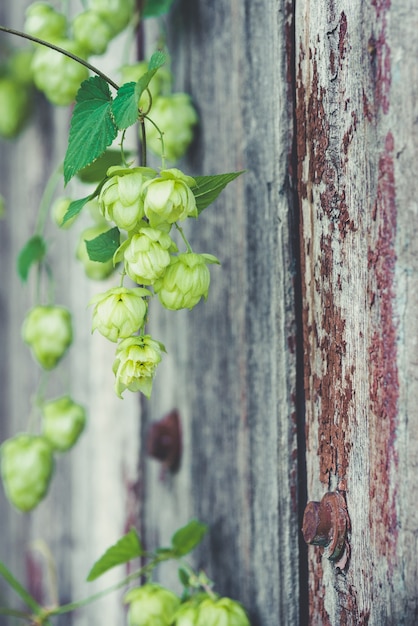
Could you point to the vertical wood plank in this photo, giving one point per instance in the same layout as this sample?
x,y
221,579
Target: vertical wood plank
x,y
230,370
355,130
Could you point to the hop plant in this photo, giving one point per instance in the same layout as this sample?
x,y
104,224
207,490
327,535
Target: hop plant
x,y
26,467
169,198
176,117
121,198
135,364
117,13
146,255
58,76
158,83
119,312
58,211
220,612
20,66
92,31
44,22
94,270
151,605
48,331
63,421
188,612
185,281
14,106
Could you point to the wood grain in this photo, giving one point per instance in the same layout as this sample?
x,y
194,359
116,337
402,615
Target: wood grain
x,y
355,132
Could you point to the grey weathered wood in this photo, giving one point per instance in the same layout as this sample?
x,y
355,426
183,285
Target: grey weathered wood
x,y
356,130
231,363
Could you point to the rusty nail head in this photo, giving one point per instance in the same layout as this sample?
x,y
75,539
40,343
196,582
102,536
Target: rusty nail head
x,y
164,440
326,524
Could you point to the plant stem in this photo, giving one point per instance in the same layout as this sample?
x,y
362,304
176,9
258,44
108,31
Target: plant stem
x,y
47,199
183,236
21,591
67,608
92,68
143,143
161,139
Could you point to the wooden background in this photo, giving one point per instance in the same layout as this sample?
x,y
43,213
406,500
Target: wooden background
x,y
315,302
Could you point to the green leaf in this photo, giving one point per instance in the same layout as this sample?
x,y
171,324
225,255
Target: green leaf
x,y
94,172
103,247
184,576
127,548
208,188
153,8
156,61
92,126
33,251
188,537
75,207
125,106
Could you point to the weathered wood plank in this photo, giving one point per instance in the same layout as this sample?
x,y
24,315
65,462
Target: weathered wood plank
x,y
231,366
356,105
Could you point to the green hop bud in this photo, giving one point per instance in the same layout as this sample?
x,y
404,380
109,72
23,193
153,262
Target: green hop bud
x,y
58,211
221,612
185,281
95,270
26,467
20,66
119,312
121,199
151,605
44,22
58,76
92,32
14,107
63,422
48,331
188,612
169,198
117,13
146,254
176,117
135,364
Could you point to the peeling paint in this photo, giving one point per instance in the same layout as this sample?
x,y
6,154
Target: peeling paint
x,y
318,615
381,57
384,382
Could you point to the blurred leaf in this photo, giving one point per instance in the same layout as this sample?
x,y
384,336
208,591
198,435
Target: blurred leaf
x,y
94,172
127,548
153,8
188,537
33,251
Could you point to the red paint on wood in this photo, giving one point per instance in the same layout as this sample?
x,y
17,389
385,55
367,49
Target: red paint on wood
x,y
380,54
342,36
318,615
333,387
384,383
